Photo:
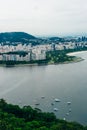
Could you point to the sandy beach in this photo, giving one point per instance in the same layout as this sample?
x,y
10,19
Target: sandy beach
x,y
74,53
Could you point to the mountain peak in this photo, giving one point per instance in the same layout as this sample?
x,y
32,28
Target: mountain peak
x,y
15,37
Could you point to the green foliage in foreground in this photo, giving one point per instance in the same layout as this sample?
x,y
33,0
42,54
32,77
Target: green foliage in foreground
x,y
12,117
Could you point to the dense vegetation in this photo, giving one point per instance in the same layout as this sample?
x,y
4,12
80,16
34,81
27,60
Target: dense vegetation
x,y
12,117
15,37
58,57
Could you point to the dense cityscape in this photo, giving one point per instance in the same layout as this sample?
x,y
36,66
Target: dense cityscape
x,y
31,51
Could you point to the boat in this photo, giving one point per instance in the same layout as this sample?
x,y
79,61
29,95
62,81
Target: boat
x,y
55,109
70,110
52,104
37,104
68,103
57,100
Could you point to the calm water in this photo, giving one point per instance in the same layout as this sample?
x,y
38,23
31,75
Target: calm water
x,y
67,82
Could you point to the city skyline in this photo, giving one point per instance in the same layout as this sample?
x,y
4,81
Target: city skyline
x,y
44,17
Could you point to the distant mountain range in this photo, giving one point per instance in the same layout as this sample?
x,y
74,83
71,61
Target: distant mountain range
x,y
56,39
9,38
16,37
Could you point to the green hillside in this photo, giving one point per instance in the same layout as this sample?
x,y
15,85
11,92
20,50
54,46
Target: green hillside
x,y
15,37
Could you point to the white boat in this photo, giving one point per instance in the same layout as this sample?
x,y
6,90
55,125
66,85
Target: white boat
x,y
55,109
68,103
57,100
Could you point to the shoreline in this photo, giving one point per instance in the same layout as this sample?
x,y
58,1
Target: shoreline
x,y
74,53
75,60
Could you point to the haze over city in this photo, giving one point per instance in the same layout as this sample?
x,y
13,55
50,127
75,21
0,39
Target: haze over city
x,y
44,17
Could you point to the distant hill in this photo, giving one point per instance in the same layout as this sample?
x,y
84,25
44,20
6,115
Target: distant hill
x,y
16,37
54,38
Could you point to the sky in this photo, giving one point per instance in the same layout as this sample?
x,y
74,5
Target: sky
x,y
44,17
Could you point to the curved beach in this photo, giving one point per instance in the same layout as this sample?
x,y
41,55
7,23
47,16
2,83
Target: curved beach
x,y
74,53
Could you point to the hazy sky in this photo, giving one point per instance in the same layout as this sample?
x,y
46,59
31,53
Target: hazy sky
x,y
44,17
